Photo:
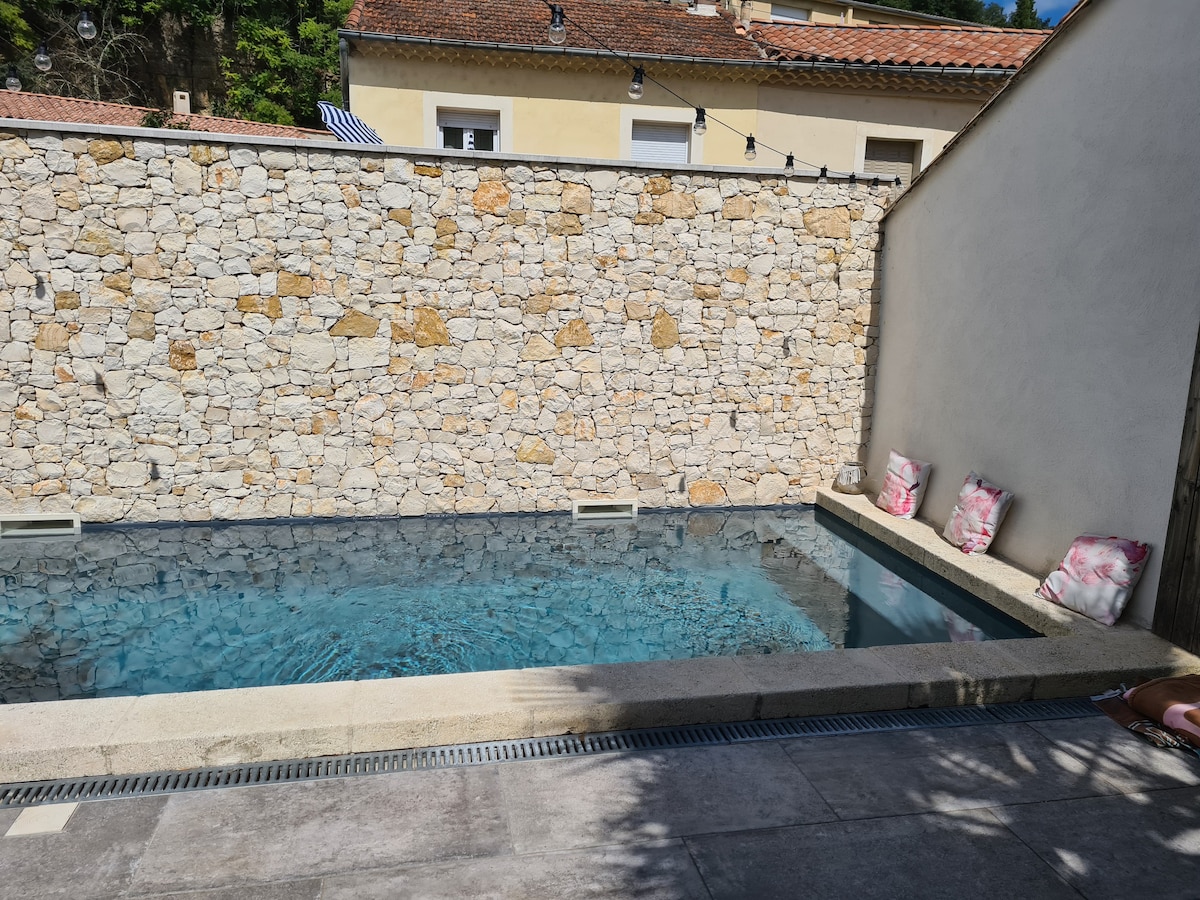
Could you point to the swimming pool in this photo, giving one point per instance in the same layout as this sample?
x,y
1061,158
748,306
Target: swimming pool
x,y
140,610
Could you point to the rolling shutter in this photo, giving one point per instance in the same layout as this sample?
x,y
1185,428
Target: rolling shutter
x,y
659,142
891,158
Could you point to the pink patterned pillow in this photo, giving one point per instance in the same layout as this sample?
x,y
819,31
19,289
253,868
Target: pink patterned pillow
x,y
1097,577
977,515
903,485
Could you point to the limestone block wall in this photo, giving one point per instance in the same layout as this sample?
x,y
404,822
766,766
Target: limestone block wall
x,y
194,331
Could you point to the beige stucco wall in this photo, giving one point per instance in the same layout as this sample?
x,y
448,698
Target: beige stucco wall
x,y
831,128
589,115
1039,300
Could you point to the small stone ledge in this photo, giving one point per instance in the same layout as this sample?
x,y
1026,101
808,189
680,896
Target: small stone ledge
x,y
1076,656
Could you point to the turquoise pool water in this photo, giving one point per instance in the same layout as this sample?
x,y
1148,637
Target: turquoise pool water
x,y
141,610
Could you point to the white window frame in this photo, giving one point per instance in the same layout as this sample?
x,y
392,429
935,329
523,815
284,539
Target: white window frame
x,y
664,115
447,117
928,142
435,101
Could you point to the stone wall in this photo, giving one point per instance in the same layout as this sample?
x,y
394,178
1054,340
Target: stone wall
x,y
194,331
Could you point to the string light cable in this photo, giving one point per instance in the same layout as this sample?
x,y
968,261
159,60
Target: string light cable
x,y
636,87
557,34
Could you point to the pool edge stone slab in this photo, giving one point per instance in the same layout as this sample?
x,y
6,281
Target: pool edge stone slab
x,y
71,738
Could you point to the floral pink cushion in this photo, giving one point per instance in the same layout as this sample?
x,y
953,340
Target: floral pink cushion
x,y
1097,577
903,485
977,515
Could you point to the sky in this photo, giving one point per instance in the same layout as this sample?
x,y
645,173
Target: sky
x,y
1051,9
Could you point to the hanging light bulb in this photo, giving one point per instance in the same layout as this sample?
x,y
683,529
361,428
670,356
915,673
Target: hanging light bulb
x,y
558,28
41,59
823,178
13,81
751,150
789,167
637,86
85,26
852,181
899,181
701,125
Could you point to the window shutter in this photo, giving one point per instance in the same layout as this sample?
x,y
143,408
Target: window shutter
x,y
455,119
659,142
891,158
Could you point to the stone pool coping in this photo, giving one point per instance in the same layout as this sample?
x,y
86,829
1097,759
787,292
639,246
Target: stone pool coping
x,y
70,738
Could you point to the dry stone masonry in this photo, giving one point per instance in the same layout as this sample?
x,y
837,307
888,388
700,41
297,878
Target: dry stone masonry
x,y
195,331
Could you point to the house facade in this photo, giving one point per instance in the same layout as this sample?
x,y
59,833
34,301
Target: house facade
x,y
471,75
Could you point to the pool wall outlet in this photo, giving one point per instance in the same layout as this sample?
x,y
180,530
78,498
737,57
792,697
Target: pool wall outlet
x,y
586,510
40,525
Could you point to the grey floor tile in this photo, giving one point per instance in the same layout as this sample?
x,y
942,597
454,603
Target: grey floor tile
x,y
287,890
1120,756
657,871
94,857
624,798
213,839
862,776
930,857
1133,845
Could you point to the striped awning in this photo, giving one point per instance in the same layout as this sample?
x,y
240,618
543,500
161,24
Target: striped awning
x,y
347,126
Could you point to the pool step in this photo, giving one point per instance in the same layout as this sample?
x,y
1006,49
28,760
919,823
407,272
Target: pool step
x,y
108,787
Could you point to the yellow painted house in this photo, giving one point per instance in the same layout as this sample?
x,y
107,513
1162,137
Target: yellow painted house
x,y
808,79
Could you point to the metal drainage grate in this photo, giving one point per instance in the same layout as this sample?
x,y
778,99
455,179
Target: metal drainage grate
x,y
109,787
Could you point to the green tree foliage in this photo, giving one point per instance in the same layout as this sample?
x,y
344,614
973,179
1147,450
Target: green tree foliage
x,y
1025,16
284,53
974,11
286,60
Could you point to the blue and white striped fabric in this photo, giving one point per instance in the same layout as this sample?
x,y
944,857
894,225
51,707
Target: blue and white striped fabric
x,y
347,126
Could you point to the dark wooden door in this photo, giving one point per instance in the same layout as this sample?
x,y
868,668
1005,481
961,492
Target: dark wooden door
x,y
1177,615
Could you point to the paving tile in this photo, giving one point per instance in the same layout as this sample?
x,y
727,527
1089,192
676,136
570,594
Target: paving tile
x,y
219,838
1132,845
947,855
660,870
861,776
622,798
94,857
1121,757
49,818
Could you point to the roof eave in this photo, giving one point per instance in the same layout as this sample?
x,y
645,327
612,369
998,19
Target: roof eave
x,y
774,64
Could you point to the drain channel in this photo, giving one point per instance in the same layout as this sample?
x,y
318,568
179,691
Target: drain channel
x,y
108,787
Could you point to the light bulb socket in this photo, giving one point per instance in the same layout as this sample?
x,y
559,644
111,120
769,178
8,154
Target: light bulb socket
x,y
789,167
637,84
13,81
751,149
701,124
558,27
85,27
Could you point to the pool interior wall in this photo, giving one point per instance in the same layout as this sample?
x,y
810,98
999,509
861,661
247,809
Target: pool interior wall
x,y
60,739
178,608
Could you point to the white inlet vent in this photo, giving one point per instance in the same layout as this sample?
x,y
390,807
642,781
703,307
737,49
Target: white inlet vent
x,y
39,525
587,510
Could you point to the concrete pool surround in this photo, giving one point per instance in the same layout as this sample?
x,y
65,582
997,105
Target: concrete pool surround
x,y
1075,657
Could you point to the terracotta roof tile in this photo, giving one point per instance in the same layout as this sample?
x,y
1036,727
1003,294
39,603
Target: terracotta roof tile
x,y
637,27
49,108
900,45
